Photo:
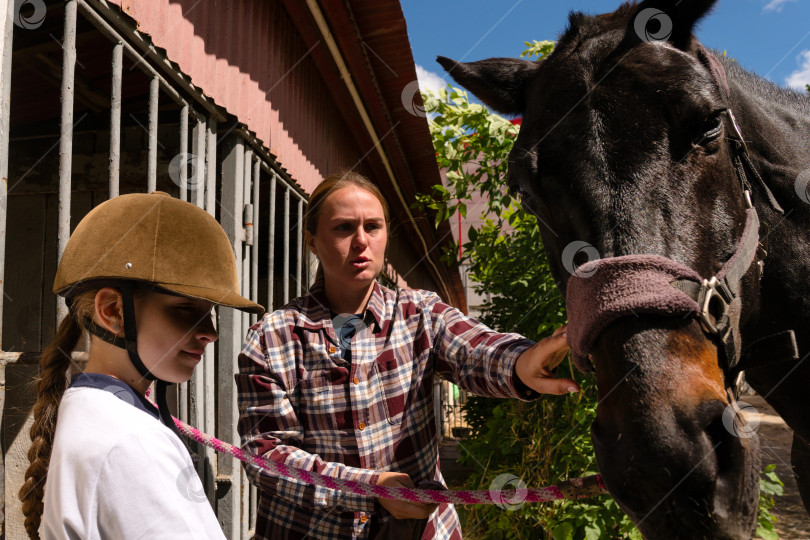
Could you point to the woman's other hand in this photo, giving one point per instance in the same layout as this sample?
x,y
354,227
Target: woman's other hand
x,y
403,509
535,364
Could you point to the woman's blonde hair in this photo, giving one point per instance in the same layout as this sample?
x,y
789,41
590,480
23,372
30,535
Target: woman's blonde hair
x,y
52,382
331,184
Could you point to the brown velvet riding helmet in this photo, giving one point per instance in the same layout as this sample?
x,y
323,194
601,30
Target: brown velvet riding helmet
x,y
157,239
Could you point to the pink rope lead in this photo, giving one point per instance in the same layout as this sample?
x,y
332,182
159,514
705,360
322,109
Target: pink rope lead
x,y
575,488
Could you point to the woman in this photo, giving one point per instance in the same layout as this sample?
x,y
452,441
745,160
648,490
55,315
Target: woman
x,y
340,382
141,273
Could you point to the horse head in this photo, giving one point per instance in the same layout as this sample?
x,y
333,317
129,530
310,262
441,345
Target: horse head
x,y
625,152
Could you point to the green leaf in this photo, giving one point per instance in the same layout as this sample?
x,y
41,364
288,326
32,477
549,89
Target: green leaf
x,y
563,531
462,209
767,533
441,189
592,530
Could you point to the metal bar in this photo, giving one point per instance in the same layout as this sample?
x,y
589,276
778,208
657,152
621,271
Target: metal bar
x,y
254,502
211,167
185,389
209,375
151,161
115,118
245,499
254,270
197,390
230,340
246,262
99,12
299,240
183,172
7,25
307,258
285,276
66,137
104,27
271,244
197,185
271,171
28,358
244,491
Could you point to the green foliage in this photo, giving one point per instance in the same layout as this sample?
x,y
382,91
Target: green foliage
x,y
548,440
537,50
769,486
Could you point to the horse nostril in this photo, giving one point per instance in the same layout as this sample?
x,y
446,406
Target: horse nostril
x,y
725,430
724,445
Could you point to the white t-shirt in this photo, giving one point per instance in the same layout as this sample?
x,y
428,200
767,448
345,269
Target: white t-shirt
x,y
116,473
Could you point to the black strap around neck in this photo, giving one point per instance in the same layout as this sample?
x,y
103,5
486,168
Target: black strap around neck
x,y
130,343
131,332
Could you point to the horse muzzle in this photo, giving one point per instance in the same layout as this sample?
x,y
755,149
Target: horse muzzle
x,y
665,447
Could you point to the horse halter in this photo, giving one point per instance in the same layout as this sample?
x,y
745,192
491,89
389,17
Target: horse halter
x,y
604,290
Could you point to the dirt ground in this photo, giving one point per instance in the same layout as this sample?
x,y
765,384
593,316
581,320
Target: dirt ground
x,y
775,439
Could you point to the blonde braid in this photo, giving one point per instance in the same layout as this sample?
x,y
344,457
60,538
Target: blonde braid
x,y
52,383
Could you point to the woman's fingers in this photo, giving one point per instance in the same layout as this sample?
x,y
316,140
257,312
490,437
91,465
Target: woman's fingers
x,y
403,509
547,385
534,367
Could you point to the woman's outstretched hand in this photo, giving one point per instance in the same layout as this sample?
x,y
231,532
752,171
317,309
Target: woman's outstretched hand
x,y
535,364
403,509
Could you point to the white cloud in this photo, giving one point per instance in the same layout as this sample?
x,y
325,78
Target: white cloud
x,y
776,5
799,78
429,80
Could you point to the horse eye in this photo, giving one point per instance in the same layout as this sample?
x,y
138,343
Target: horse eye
x,y
518,191
713,128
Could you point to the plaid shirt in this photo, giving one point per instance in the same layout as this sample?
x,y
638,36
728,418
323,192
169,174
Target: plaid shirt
x,y
301,404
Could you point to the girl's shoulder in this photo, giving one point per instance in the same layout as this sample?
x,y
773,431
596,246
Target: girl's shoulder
x,y
94,424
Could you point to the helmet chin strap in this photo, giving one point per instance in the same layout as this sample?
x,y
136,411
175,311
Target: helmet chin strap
x,y
130,344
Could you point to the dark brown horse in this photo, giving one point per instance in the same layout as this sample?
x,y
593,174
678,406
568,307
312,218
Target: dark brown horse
x,y
629,146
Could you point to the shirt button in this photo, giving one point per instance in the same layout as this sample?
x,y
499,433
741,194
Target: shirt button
x,y
356,380
363,519
362,426
331,350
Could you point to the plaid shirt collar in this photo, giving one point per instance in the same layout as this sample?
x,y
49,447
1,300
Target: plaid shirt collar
x,y
315,311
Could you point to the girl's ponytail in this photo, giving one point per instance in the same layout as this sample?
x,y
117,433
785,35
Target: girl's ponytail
x,y
52,383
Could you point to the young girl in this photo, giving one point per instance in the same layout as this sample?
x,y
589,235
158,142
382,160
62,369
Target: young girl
x,y
340,382
141,273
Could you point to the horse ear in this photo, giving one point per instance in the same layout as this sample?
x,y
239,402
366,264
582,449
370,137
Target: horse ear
x,y
500,83
668,20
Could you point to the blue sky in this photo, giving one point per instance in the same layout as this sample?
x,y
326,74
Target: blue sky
x,y
769,37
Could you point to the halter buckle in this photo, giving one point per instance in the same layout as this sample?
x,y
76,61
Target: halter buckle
x,y
715,295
